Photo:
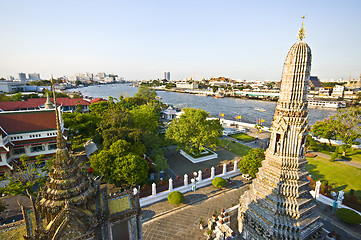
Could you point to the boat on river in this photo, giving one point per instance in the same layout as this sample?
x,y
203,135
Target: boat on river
x,y
260,109
326,104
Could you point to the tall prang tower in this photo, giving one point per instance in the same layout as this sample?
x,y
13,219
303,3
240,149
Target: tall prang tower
x,y
278,204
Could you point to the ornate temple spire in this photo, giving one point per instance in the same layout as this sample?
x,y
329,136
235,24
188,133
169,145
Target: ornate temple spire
x,y
278,204
48,103
60,138
302,31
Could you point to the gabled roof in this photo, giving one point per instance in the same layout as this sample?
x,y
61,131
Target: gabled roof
x,y
28,121
315,82
95,100
37,102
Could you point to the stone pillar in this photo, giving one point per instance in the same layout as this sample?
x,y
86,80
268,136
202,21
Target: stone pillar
x,y
170,185
200,176
154,189
224,169
213,173
235,166
185,179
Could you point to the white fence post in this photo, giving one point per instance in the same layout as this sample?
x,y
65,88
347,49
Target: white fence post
x,y
185,179
224,169
200,176
235,166
154,189
170,184
212,172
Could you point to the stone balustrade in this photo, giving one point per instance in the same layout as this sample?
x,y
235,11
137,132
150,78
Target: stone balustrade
x,y
186,187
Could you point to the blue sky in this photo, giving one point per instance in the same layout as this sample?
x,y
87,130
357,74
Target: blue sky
x,y
141,39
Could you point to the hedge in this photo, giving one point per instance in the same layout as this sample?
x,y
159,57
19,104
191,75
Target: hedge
x,y
219,182
176,198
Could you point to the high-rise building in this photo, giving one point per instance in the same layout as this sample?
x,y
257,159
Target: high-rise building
x,y
22,77
166,76
34,76
278,204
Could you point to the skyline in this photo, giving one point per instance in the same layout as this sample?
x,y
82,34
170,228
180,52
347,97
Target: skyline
x,y
140,40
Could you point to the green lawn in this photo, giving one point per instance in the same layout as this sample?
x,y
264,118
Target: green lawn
x,y
236,148
340,176
243,137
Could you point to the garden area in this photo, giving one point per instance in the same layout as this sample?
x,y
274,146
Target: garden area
x,y
237,148
243,137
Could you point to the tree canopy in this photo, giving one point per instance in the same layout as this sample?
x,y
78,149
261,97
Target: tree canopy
x,y
252,162
121,164
325,129
192,131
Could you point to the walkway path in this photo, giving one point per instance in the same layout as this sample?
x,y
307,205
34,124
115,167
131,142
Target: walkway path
x,y
164,221
351,163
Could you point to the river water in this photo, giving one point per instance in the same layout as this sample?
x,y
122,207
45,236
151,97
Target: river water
x,y
230,107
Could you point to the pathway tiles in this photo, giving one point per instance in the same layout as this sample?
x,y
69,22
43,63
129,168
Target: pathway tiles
x,y
182,223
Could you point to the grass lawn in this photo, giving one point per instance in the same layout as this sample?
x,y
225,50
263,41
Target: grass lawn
x,y
339,175
243,137
236,148
354,154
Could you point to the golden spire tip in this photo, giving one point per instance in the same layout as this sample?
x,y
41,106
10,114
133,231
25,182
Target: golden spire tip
x,y
302,31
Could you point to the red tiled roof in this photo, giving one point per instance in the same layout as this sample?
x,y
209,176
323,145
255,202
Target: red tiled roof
x,y
27,121
37,102
95,100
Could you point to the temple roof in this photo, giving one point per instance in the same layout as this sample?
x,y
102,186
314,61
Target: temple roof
x,y
27,121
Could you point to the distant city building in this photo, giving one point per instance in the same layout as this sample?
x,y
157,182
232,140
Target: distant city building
x,y
166,76
34,76
10,78
22,77
101,75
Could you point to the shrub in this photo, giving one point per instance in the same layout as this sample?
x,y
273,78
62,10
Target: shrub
x,y
219,182
176,198
348,216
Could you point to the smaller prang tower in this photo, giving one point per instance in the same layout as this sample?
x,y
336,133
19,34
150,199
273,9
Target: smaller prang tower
x,y
278,204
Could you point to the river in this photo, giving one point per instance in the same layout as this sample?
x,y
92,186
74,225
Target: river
x,y
230,107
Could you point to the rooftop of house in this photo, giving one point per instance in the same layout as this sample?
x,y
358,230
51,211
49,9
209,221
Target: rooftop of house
x,y
37,102
27,121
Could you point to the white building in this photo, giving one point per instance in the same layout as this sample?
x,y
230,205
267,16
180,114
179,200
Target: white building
x,y
338,91
185,85
26,132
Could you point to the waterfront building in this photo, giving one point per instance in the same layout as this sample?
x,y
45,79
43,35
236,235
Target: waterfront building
x,y
338,91
324,92
11,86
186,85
34,76
278,204
73,205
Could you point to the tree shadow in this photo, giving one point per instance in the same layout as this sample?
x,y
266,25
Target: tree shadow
x,y
147,214
191,198
316,175
339,188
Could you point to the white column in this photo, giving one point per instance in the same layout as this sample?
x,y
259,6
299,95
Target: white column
x,y
224,168
199,176
212,172
154,189
235,166
185,179
170,185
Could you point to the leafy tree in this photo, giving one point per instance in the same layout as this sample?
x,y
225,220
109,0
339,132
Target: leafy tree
x,y
159,160
4,97
146,93
252,162
122,164
348,127
192,131
325,129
